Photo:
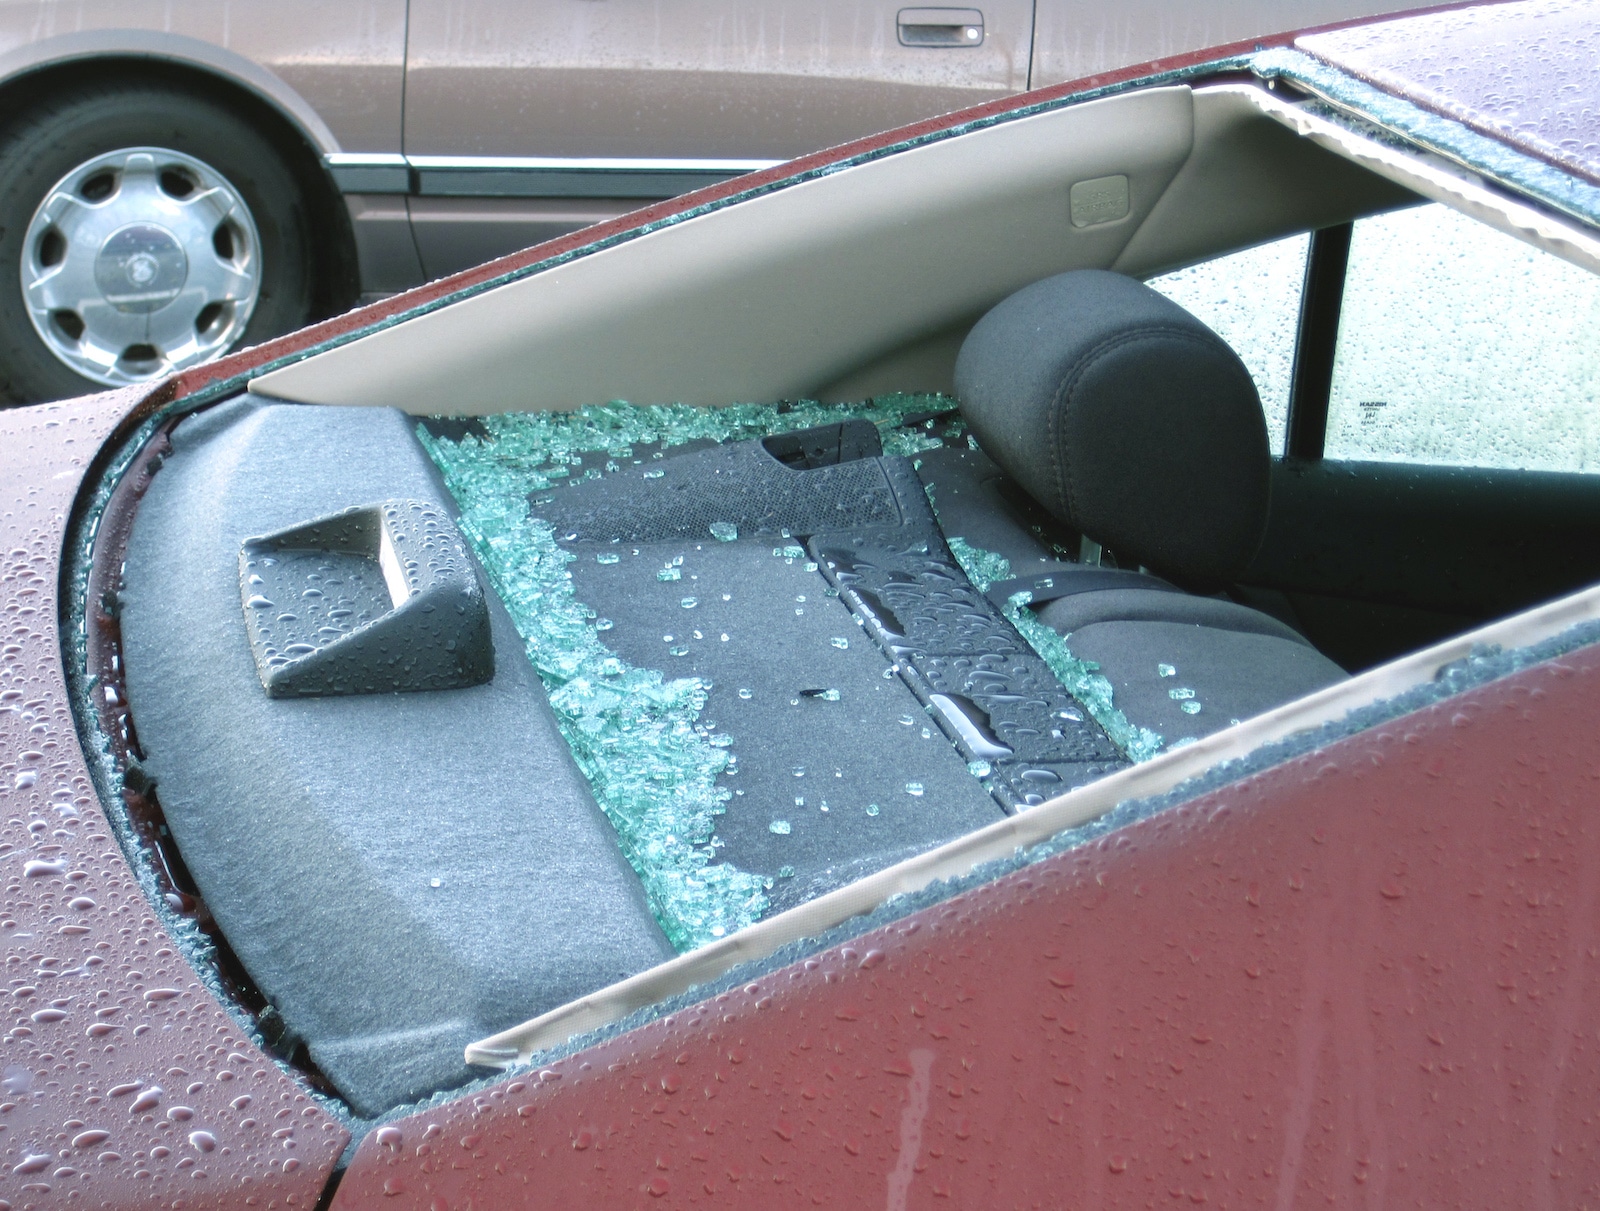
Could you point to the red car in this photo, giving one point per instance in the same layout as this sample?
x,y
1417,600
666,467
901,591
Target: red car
x,y
1070,680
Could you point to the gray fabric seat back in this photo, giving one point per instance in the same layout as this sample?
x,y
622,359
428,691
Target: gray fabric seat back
x,y
1127,418
1137,426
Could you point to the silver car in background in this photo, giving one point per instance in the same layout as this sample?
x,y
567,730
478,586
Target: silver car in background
x,y
179,177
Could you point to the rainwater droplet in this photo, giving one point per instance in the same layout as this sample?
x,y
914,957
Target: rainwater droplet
x,y
1190,708
873,809
914,788
689,603
258,602
907,720
724,531
669,574
1166,670
203,1140
785,872
656,473
678,650
979,768
607,557
745,694
435,882
1181,694
799,771
840,641
781,827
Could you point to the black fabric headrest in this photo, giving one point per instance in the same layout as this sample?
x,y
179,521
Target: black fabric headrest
x,y
1127,418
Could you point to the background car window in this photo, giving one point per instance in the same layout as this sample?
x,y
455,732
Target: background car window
x,y
1251,299
1459,345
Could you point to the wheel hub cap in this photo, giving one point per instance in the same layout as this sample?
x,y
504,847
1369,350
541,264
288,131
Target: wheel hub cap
x,y
140,262
141,268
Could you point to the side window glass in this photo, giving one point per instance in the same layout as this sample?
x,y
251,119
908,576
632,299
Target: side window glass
x,y
1462,346
1251,299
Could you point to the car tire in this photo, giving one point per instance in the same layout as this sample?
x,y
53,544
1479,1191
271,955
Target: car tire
x,y
142,125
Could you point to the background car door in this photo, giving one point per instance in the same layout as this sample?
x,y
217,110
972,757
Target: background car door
x,y
1076,38
622,85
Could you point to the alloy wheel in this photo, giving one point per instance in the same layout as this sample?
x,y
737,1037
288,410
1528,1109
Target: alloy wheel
x,y
140,262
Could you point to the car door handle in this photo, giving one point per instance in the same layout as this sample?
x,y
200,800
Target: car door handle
x,y
939,27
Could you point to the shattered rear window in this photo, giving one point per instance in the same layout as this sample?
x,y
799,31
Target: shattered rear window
x,y
882,772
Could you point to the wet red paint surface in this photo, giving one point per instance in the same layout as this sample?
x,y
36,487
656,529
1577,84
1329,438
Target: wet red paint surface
x,y
1524,73
1361,978
1367,977
124,1083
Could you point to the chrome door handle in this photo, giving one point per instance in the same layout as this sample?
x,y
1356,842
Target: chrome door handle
x,y
939,27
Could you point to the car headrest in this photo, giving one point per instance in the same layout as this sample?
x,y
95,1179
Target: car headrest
x,y
1127,418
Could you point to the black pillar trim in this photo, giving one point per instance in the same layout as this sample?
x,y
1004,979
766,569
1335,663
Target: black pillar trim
x,y
1312,379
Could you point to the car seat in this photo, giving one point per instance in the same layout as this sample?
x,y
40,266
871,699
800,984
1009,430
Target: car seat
x,y
1132,424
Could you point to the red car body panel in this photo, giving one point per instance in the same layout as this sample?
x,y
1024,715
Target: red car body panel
x,y
1366,977
126,1083
1367,974
1478,66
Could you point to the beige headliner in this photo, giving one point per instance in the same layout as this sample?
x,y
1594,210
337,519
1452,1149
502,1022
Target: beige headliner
x,y
862,280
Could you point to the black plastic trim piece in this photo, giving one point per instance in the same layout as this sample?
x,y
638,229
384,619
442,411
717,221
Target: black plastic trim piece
x,y
497,182
1316,341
